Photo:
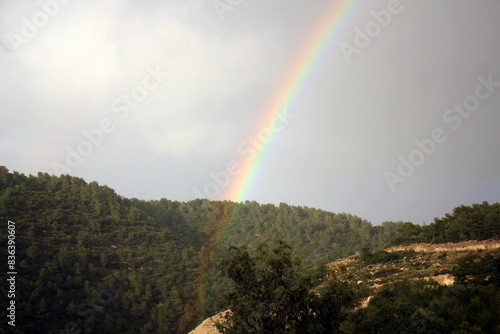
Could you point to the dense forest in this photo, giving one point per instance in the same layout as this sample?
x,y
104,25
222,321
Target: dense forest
x,y
475,222
92,261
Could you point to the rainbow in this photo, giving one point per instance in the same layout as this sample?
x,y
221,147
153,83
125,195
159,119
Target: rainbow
x,y
324,35
327,32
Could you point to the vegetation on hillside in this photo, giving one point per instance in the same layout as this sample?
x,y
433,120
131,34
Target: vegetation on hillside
x,y
90,260
470,305
453,288
474,222
399,293
272,294
76,239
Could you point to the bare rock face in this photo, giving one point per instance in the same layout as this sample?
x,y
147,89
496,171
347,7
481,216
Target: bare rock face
x,y
208,326
446,279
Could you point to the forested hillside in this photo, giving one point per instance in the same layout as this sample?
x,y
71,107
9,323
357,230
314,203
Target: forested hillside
x,y
92,261
421,288
475,222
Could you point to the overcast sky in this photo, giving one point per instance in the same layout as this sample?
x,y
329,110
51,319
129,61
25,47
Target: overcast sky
x,y
399,120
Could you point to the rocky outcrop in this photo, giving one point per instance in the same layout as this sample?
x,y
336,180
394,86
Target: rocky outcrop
x,y
208,326
445,279
471,245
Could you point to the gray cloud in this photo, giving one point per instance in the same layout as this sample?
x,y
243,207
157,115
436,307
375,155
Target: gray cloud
x,y
354,119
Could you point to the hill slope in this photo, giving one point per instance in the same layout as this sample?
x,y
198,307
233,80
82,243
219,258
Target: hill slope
x,y
415,261
382,273
75,238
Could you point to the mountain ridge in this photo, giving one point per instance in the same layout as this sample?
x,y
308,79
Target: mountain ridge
x,y
74,236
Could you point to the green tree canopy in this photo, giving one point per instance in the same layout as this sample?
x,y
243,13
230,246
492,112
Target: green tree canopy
x,y
272,294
